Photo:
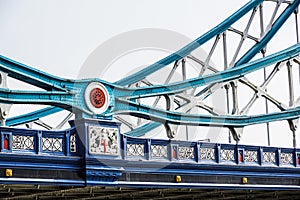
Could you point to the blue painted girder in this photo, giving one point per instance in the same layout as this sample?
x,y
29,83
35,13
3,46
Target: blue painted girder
x,y
53,83
74,98
32,116
269,35
62,90
49,82
164,116
33,76
223,76
140,75
128,107
139,131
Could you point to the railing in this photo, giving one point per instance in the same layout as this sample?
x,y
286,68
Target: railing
x,y
65,143
31,141
207,153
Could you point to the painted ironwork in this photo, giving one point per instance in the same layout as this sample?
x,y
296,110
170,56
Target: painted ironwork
x,y
135,150
286,158
251,156
192,159
227,154
95,152
186,152
159,151
52,144
207,154
22,142
65,90
269,157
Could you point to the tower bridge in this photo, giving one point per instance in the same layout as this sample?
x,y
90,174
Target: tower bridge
x,y
104,147
81,156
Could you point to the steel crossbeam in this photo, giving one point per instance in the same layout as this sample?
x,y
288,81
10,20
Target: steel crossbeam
x,y
73,98
75,95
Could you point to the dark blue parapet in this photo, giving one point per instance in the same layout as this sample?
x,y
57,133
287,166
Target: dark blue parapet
x,y
99,141
93,152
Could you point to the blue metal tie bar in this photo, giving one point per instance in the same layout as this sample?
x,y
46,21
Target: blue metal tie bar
x,y
70,94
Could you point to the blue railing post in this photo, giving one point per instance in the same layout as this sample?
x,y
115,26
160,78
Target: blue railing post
x,y
297,158
278,157
38,144
67,143
124,147
260,156
197,153
148,149
218,153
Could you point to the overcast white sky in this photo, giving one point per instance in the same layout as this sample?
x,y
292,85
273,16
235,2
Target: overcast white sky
x,y
57,36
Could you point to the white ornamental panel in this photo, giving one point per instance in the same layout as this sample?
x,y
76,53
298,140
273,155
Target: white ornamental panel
x,y
103,140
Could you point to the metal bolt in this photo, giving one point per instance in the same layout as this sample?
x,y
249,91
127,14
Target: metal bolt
x,y
178,179
8,172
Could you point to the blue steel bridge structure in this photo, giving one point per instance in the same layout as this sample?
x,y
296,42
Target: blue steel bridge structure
x,y
97,151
